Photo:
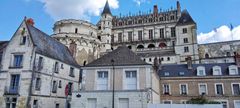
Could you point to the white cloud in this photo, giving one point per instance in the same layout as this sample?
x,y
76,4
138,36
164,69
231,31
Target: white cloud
x,y
139,2
222,33
77,9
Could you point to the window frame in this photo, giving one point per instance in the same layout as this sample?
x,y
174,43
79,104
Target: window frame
x,y
180,89
231,67
233,89
169,89
199,88
214,70
201,68
215,86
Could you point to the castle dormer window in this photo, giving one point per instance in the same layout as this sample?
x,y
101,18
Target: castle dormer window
x,y
201,71
233,70
217,70
172,17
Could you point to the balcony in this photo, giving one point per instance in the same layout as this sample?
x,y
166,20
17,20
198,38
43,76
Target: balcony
x,y
11,90
155,49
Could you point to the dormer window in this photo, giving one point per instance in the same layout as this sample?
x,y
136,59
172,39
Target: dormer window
x,y
181,73
166,73
201,71
233,70
217,70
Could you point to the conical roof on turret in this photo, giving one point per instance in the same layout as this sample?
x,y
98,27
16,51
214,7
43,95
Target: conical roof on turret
x,y
106,9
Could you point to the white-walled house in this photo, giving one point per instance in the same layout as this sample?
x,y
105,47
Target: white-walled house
x,y
135,83
37,71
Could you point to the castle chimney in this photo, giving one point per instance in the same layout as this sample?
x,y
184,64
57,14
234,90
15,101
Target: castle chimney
x,y
30,21
155,10
178,9
237,59
189,62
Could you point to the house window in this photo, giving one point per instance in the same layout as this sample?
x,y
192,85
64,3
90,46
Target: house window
x,y
161,33
123,103
150,34
186,49
18,61
217,70
236,103
54,87
35,103
119,37
70,88
202,89
166,89
71,73
207,55
183,89
201,71
57,105
76,30
130,39
161,18
23,40
91,103
233,70
167,102
166,73
40,63
181,73
140,35
102,81
224,104
173,31
236,89
60,84
14,85
38,84
185,40
131,80
56,67
11,102
184,30
219,89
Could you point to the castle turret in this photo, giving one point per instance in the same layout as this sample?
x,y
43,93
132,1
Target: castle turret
x,y
106,28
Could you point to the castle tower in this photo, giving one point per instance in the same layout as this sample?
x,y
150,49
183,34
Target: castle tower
x,y
178,9
106,28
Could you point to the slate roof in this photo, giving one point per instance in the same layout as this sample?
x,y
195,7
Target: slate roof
x,y
185,19
106,9
3,45
153,54
122,56
50,47
176,68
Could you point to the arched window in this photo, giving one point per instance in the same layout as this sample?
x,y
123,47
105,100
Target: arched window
x,y
161,45
206,55
151,46
76,30
84,63
140,47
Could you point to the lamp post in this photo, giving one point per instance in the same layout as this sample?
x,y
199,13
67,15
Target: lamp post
x,y
112,61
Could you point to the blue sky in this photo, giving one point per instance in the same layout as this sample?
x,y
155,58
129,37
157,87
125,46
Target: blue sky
x,y
208,14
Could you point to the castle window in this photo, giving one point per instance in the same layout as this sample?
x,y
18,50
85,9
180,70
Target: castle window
x,y
186,49
140,47
172,17
99,38
112,38
161,33
60,84
173,31
54,87
130,39
119,37
201,71
150,34
150,60
217,70
184,30
56,67
173,43
207,55
166,73
76,30
71,73
162,45
23,40
150,20
140,35
228,54
181,73
161,18
129,22
168,59
59,30
38,84
185,40
140,21
151,46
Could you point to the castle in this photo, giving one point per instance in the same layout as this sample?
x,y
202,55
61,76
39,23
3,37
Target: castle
x,y
168,35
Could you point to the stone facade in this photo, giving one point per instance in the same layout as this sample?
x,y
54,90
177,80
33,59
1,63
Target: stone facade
x,y
31,78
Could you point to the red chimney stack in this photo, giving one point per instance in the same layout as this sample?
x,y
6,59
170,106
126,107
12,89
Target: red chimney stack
x,y
155,10
30,21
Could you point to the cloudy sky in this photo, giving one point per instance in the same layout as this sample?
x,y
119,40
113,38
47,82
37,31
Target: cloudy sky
x,y
213,17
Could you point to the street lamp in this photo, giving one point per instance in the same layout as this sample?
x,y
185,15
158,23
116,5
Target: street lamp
x,y
112,61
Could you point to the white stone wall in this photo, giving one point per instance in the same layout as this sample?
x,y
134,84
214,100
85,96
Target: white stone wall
x,y
137,99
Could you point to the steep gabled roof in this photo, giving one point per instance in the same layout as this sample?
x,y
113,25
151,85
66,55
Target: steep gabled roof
x,y
185,19
122,56
3,45
106,9
50,47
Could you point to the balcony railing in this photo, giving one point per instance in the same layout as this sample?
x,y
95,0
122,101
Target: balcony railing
x,y
11,90
155,49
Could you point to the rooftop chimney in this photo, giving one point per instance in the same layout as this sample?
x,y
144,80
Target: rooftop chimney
x,y
155,64
155,10
30,21
178,9
237,59
189,62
